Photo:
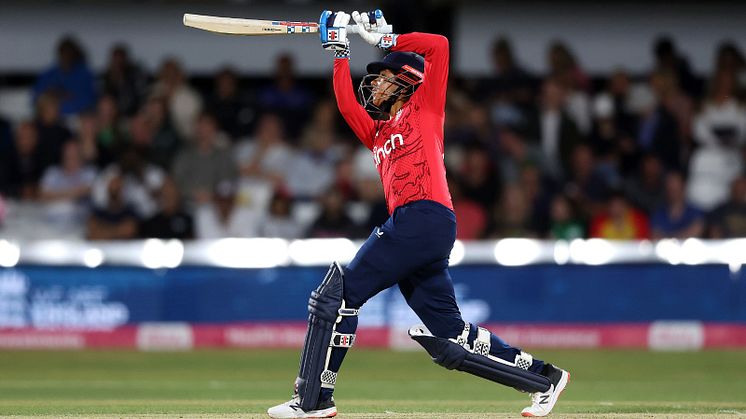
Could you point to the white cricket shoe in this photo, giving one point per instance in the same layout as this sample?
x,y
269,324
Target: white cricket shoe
x,y
291,409
543,403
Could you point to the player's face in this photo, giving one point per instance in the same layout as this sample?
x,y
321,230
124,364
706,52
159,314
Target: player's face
x,y
383,88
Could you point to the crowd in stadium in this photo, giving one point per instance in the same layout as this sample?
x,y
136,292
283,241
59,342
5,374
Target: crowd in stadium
x,y
126,154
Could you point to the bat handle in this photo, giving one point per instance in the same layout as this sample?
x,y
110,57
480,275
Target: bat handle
x,y
382,29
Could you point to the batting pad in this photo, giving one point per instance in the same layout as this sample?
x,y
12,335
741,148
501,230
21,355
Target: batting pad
x,y
451,355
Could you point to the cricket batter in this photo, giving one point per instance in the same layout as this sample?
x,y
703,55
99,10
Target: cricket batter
x,y
401,122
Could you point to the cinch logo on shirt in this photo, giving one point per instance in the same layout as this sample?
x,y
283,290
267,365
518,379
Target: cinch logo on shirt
x,y
380,153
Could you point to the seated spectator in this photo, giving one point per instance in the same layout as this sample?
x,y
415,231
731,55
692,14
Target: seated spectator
x,y
51,131
141,182
557,134
312,169
729,219
266,156
512,216
676,218
645,188
669,59
199,168
164,142
619,221
170,222
587,187
21,166
478,180
65,189
472,218
232,110
116,220
223,217
333,220
124,80
660,132
289,99
69,79
720,130
184,103
108,131
509,83
563,223
279,221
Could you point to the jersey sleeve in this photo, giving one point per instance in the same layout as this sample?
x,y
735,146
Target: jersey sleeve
x,y
353,113
434,48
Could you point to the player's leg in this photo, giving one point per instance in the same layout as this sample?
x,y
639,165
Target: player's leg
x,y
455,344
383,260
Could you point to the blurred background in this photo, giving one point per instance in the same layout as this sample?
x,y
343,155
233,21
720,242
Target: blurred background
x,y
165,187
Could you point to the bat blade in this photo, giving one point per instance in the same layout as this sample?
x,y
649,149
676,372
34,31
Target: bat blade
x,y
251,27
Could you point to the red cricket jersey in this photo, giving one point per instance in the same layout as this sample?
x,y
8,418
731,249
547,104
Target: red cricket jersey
x,y
407,149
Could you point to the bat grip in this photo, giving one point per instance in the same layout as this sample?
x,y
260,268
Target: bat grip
x,y
382,29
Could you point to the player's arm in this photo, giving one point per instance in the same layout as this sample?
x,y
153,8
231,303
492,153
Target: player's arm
x,y
434,48
332,27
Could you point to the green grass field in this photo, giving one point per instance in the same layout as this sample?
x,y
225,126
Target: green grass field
x,y
373,384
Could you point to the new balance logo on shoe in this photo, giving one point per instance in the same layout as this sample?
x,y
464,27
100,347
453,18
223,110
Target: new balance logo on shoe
x,y
544,399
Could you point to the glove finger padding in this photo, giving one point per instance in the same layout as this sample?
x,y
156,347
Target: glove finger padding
x,y
333,30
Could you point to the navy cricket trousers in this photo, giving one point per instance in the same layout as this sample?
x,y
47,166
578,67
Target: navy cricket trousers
x,y
412,249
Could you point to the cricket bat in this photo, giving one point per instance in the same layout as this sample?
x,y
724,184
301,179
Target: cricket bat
x,y
253,27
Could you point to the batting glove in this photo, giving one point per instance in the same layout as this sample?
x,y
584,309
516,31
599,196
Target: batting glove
x,y
371,27
333,32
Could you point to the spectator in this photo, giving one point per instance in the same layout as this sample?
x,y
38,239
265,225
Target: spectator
x,y
557,134
510,86
21,167
165,142
565,69
516,153
720,130
287,98
279,221
730,60
333,220
52,132
223,217
184,103
587,187
171,221
676,218
619,221
312,169
116,220
140,182
729,219
564,66
87,133
471,215
124,81
233,111
668,59
109,134
266,156
70,80
659,130
645,188
199,168
563,223
66,188
478,179
512,216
